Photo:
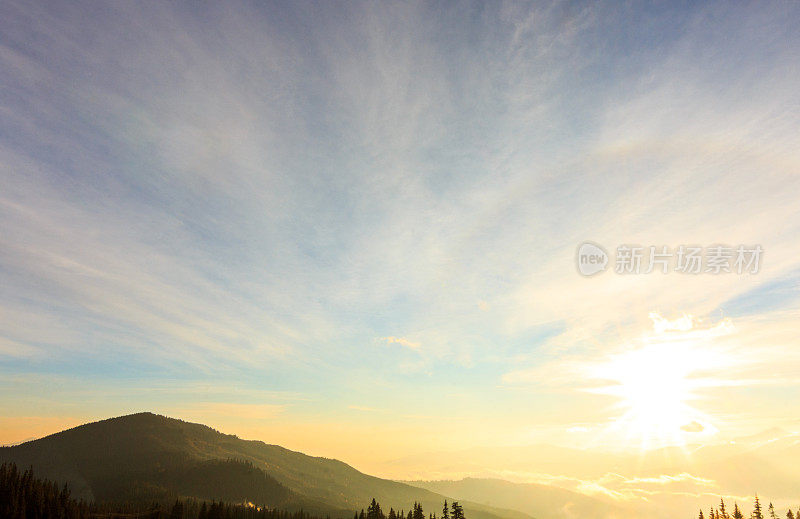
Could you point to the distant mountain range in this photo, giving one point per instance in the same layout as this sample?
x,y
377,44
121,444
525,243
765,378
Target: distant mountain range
x,y
659,483
543,501
145,456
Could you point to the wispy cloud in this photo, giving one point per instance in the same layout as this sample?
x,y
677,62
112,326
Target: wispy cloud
x,y
401,341
254,205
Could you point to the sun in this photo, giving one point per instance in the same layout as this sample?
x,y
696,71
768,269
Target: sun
x,y
655,383
654,391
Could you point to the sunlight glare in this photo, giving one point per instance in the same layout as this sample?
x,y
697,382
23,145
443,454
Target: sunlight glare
x,y
655,382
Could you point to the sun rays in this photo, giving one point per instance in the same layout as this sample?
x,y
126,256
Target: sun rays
x,y
656,382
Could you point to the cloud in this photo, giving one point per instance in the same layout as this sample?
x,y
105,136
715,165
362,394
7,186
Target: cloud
x,y
681,324
401,341
666,479
692,427
11,348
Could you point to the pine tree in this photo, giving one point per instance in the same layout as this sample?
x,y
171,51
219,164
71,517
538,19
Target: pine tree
x,y
789,514
772,512
701,514
457,511
737,514
445,511
722,510
757,510
374,510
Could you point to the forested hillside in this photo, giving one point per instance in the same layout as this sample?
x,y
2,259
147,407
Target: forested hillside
x,y
146,457
25,496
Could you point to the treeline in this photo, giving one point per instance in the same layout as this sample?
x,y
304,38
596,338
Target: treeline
x,y
374,511
23,496
757,513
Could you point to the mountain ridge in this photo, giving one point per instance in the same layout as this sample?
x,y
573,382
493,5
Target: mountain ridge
x,y
142,455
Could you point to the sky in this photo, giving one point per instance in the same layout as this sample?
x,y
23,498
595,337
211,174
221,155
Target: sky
x,y
350,228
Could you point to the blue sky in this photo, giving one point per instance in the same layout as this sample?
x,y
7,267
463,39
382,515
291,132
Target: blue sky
x,y
287,218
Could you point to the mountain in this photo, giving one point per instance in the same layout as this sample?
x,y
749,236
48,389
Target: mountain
x,y
146,456
542,501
